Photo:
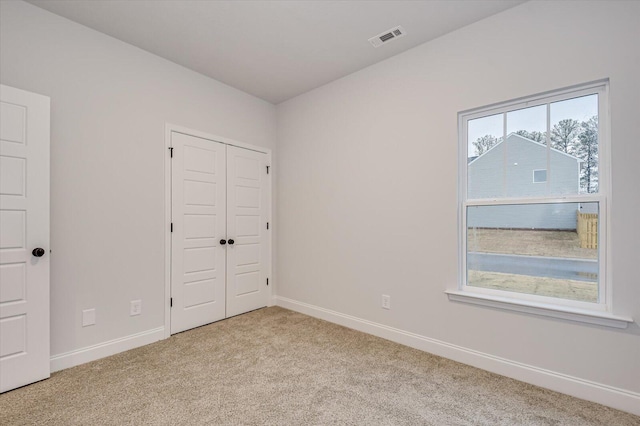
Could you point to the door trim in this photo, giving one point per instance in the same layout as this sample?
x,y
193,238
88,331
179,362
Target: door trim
x,y
168,129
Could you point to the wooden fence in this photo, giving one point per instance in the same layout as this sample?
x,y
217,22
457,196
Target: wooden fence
x,y
588,230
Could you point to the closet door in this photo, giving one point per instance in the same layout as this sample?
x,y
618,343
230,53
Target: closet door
x,y
247,214
199,220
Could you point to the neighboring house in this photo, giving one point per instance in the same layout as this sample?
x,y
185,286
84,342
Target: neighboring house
x,y
524,175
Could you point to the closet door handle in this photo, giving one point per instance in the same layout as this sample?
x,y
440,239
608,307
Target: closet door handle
x,y
223,242
231,242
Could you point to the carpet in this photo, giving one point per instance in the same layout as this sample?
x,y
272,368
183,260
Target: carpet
x,y
278,367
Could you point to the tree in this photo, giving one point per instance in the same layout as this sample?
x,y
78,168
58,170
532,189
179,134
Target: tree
x,y
563,135
484,144
536,136
587,150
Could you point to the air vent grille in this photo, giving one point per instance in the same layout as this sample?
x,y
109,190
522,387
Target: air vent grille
x,y
387,36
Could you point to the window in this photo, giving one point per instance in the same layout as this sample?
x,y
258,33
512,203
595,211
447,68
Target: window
x,y
537,242
540,176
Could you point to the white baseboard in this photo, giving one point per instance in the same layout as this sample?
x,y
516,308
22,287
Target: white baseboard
x,y
596,392
101,350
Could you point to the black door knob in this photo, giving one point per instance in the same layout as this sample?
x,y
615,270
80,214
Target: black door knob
x,y
38,252
223,242
231,242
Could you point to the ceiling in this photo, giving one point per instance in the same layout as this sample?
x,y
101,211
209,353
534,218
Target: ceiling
x,y
274,50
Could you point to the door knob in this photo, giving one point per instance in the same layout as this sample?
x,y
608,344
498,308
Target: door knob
x,y
223,242
38,252
231,242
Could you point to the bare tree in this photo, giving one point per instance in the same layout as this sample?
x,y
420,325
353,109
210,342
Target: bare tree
x,y
564,134
536,136
587,150
484,144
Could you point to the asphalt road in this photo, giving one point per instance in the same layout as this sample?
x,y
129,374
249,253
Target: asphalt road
x,y
571,269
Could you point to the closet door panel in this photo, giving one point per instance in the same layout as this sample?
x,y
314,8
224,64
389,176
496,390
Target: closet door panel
x,y
247,213
199,223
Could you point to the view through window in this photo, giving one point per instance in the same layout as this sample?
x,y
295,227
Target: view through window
x,y
532,203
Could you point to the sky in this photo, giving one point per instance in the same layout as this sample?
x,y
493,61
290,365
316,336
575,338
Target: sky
x,y
532,119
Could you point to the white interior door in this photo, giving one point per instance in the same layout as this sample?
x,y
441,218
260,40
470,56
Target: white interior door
x,y
247,211
24,228
199,223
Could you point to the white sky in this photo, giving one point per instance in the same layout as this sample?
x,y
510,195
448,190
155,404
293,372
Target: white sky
x,y
532,119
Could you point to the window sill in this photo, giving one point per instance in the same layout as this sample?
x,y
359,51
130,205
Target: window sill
x,y
567,313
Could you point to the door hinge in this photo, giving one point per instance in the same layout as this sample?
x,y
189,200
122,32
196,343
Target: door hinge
x,y
267,225
171,151
267,281
171,226
268,169
171,302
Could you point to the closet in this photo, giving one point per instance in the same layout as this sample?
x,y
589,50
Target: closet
x,y
220,245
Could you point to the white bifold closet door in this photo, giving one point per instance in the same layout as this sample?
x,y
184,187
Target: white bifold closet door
x,y
247,201
219,244
199,216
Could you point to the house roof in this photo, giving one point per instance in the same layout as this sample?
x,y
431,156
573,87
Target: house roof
x,y
513,136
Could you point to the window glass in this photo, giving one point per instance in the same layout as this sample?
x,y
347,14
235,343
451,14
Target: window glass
x,y
574,131
530,123
540,249
485,157
526,150
539,176
570,160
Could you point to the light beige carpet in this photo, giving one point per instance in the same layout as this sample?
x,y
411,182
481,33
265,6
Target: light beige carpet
x,y
278,367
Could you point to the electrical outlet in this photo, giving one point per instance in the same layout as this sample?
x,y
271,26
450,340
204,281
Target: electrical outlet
x,y
88,317
135,308
386,301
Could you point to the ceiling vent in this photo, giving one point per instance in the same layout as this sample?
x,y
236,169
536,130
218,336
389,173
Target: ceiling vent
x,y
387,36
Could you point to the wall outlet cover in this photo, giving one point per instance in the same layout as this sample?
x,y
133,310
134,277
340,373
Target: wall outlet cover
x,y
88,317
386,301
135,308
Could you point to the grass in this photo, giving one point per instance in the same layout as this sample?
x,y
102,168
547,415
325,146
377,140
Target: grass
x,y
541,286
531,243
525,242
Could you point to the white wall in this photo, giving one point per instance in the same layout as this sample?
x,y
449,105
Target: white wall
x,y
109,105
367,190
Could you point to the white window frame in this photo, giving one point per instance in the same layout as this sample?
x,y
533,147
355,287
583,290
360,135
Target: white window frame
x,y
601,312
545,176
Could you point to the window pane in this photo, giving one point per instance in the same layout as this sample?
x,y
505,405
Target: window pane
x,y
539,176
530,123
526,151
574,132
485,157
541,249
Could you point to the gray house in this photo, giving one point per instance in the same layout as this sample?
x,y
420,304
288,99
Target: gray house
x,y
523,173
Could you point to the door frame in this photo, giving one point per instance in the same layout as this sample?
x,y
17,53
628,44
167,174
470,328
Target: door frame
x,y
168,129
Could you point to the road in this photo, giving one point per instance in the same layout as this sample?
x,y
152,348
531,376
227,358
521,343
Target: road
x,y
552,267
